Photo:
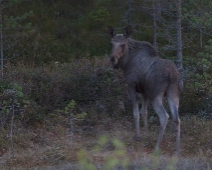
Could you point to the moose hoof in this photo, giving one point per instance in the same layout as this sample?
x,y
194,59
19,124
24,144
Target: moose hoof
x,y
177,154
137,138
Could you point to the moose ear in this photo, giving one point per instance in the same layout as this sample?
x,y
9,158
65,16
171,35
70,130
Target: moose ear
x,y
128,31
110,31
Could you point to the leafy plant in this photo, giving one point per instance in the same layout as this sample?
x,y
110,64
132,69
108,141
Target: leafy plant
x,y
199,86
12,104
69,110
117,158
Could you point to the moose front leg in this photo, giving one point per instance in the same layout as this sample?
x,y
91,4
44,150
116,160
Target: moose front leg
x,y
136,114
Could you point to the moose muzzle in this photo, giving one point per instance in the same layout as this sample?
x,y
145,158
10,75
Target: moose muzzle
x,y
114,60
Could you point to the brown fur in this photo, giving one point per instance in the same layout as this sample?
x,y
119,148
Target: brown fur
x,y
146,73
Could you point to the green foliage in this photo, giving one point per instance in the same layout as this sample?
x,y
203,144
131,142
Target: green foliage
x,y
203,79
58,86
99,17
63,30
69,110
4,85
16,27
12,101
15,22
197,13
117,158
199,82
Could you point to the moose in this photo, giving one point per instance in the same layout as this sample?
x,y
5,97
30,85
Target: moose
x,y
151,76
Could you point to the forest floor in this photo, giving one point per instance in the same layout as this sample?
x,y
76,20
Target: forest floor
x,y
104,144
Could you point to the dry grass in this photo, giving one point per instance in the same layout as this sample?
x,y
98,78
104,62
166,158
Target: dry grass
x,y
47,146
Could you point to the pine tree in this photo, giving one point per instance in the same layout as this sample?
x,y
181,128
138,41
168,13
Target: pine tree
x,y
10,28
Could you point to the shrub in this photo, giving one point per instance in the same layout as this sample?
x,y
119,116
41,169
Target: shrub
x,y
198,96
87,82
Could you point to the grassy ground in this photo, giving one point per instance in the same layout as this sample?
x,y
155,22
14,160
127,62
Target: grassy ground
x,y
46,145
41,137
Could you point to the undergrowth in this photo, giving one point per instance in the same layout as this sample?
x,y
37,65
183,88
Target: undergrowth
x,y
47,146
50,114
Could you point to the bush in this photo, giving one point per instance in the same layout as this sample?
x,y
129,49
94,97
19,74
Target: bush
x,y
198,96
87,82
12,101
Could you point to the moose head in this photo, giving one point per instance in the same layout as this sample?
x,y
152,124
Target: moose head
x,y
119,45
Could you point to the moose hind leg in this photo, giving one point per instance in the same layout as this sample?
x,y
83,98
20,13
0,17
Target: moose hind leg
x,y
163,117
143,112
174,105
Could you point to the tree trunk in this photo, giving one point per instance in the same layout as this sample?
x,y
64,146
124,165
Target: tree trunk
x,y
200,32
1,42
179,44
129,19
154,25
